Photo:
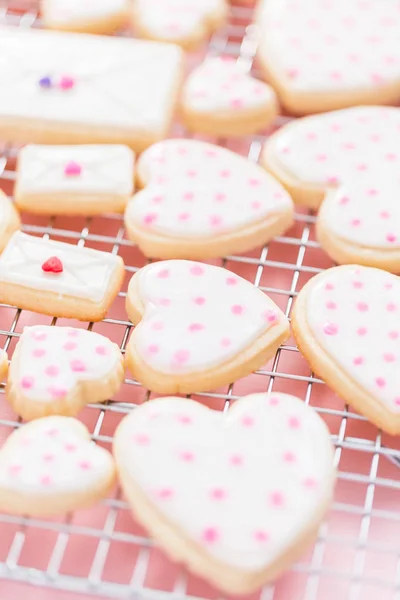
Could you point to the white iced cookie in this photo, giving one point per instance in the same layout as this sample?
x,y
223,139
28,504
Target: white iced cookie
x,y
90,16
327,54
9,220
51,466
86,89
236,496
221,98
347,324
71,180
58,370
58,279
198,327
183,22
3,364
349,161
203,201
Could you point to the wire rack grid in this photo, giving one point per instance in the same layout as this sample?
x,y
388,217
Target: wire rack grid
x,y
102,552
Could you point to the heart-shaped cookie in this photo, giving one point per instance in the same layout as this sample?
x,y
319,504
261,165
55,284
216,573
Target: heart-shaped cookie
x,y
58,370
203,201
51,466
199,327
9,220
235,496
183,22
327,54
221,98
346,321
348,160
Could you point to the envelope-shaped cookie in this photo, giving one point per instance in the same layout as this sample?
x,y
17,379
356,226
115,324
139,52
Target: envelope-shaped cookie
x,y
85,179
9,220
59,279
326,54
75,88
96,16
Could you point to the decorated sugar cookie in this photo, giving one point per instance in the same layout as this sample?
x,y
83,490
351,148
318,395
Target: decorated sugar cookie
x,y
349,161
93,16
9,220
58,370
198,327
236,496
73,180
50,466
59,279
3,364
203,201
327,54
347,324
221,98
183,22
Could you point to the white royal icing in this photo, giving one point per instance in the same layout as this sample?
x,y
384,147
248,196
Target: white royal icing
x,y
87,273
354,314
243,484
105,169
172,19
64,12
52,456
220,84
329,45
358,151
118,83
198,316
198,189
52,360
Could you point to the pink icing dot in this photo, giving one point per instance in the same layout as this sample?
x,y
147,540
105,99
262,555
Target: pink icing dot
x,y
292,73
215,220
274,401
188,196
218,494
199,300
358,360
330,329
220,197
393,335
289,457
226,342
210,535
372,192
389,357
331,305
153,349
184,419
164,493
164,301
231,281
73,333
358,284
237,103
195,327
85,465
182,150
197,270
310,483
332,179
294,422
225,173
57,392
211,153
141,439
70,447
277,499
236,460
321,157
187,456
344,200
391,307
157,199
39,352
362,331
77,366
52,432
391,237
48,457
247,421
184,216
70,346
101,350
261,536
329,286
149,218
388,286
362,306
181,356
380,382
256,205
191,173
163,273
270,316
397,401
52,371
39,336
362,167
254,182
237,309
355,222
46,480
157,325
14,469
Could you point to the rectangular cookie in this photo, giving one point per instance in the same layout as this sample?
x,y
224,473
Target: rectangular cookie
x,y
66,88
74,180
58,279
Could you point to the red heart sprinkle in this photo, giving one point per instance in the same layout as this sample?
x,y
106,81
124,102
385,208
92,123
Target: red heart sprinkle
x,y
52,265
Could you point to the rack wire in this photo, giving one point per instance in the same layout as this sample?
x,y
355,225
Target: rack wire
x,y
102,552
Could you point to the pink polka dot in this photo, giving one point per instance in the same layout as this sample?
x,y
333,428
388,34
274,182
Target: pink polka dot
x,y
270,316
349,146
199,300
73,333
218,494
380,382
256,205
191,173
358,360
237,309
372,192
187,456
391,307
397,401
292,73
210,535
46,480
389,357
321,157
226,342
261,536
77,366
157,199
254,182
362,331
332,179
330,329
164,493
294,422
164,301
274,401
384,214
48,457
150,218
247,421
84,465
310,483
195,327
153,349
362,167
57,392
157,326
184,419
237,103
163,273
289,457
225,173
182,150
101,350
311,136
70,346
277,499
70,447
39,352
329,286
52,371
211,153
181,356
184,216
236,460
331,305
355,222
391,237
52,432
188,196
358,285
216,220
141,439
344,200
197,270
220,197
394,335
362,306
231,281
388,286
37,335
14,469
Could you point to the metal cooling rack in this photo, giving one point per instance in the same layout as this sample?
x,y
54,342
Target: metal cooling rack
x,y
357,554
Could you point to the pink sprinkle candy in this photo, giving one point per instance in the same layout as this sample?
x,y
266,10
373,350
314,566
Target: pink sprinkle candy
x,y
149,218
45,480
331,305
344,200
226,342
380,382
391,237
70,346
39,336
77,366
70,447
358,360
187,456
210,535
141,439
153,349
200,300
256,205
27,383
294,422
72,169
184,216
389,357
329,286
273,401
270,316
101,350
358,284
196,327
391,307
188,196
39,352
261,536
277,499
330,329
184,419
247,421
215,220
236,460
393,335
15,469
310,483
254,182
197,270
231,281
355,222
164,493
362,306
48,457
362,331
163,274
66,83
218,494
289,457
157,325
181,356
220,197
237,309
85,465
57,392
52,371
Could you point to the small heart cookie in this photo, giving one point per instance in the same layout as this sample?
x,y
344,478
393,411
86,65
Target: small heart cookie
x,y
58,370
346,321
221,98
327,54
349,161
203,201
9,220
3,364
50,466
199,327
235,496
183,22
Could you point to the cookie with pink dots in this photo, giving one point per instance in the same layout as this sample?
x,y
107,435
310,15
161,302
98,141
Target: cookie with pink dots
x,y
347,163
198,327
3,364
236,495
51,466
203,201
58,370
347,324
100,16
329,54
9,220
187,23
221,98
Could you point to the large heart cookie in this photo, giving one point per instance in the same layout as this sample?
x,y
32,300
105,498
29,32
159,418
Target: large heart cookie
x,y
203,201
347,324
221,98
183,22
199,327
58,370
51,466
235,496
349,160
327,54
9,220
